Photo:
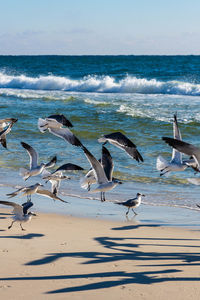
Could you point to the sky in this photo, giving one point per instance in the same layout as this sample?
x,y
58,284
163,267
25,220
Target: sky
x,y
104,27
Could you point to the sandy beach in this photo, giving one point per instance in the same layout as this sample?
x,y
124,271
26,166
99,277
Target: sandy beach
x,y
64,257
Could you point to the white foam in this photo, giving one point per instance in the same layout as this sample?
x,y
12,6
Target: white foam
x,y
99,84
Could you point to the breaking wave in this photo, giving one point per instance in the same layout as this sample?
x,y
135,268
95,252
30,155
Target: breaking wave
x,y
99,84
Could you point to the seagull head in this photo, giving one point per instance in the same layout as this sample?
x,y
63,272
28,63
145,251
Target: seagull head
x,y
31,214
139,194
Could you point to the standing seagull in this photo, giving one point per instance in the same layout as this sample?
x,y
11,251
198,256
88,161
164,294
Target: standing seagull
x,y
35,169
5,131
121,141
56,177
20,212
103,177
132,203
185,148
55,124
176,163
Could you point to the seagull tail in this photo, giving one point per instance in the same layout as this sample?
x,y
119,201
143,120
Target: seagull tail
x,y
84,183
24,173
42,125
161,163
102,140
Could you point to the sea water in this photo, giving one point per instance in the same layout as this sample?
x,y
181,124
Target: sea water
x,y
136,95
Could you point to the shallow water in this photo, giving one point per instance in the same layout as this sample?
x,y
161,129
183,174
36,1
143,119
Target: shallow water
x,y
135,95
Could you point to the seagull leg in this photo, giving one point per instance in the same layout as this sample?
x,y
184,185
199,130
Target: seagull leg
x,y
11,224
28,198
103,197
88,188
134,212
161,174
22,227
127,211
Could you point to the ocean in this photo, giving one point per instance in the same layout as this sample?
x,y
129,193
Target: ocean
x,y
137,95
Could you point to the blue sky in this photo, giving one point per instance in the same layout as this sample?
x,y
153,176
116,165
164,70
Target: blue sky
x,y
99,27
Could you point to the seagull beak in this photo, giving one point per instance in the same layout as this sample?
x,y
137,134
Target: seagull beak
x,y
143,195
34,215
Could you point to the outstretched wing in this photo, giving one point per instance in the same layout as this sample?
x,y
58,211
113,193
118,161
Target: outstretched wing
x,y
17,209
67,135
32,153
184,147
49,194
176,155
61,119
68,167
121,141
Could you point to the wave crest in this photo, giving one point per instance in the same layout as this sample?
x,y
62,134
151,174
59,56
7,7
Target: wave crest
x,y
100,84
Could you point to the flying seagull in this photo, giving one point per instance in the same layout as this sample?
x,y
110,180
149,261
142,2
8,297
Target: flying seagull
x,y
132,203
56,177
104,183
55,126
34,189
8,123
108,166
20,212
185,148
27,191
176,163
121,141
35,169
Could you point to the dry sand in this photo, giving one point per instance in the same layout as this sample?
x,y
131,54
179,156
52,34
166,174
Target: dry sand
x,y
63,257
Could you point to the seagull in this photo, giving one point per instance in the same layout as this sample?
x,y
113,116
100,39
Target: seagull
x,y
27,191
121,141
176,163
132,203
34,189
107,163
56,177
103,177
55,126
185,148
35,169
20,212
4,131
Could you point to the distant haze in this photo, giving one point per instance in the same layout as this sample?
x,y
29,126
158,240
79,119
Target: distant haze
x,y
99,27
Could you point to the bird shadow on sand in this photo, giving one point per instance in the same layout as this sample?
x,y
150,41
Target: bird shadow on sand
x,y
27,236
134,226
116,250
124,249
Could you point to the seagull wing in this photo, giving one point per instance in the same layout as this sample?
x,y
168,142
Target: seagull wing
x,y
17,209
51,163
3,134
16,192
68,167
107,163
61,119
176,155
121,141
97,167
26,206
67,135
184,147
33,155
49,194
